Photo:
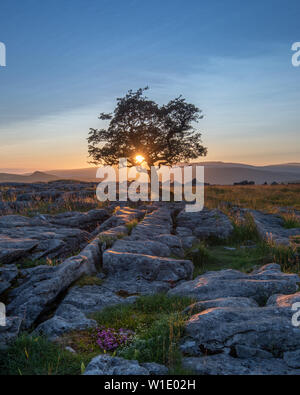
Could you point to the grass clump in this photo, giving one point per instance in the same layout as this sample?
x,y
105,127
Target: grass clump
x,y
30,355
109,240
244,230
287,256
290,221
131,225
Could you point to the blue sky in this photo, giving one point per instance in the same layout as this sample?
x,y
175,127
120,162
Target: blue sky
x,y
68,60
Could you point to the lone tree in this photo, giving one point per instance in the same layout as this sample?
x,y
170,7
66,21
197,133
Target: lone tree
x,y
142,131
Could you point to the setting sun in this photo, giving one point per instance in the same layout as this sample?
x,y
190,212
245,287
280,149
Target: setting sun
x,y
139,159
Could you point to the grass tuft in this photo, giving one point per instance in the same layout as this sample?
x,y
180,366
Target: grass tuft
x,y
88,280
290,220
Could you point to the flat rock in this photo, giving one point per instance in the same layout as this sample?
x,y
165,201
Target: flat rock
x,y
204,224
154,248
223,328
86,221
234,302
35,238
148,267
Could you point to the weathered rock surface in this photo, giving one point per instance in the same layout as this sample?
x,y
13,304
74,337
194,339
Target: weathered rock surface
x,y
107,365
8,274
121,217
34,238
133,266
86,221
223,364
10,331
143,256
234,302
261,328
147,267
46,283
259,285
292,358
72,312
203,225
270,227
233,335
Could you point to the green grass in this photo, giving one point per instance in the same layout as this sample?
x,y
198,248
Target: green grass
x,y
210,258
30,355
157,321
244,230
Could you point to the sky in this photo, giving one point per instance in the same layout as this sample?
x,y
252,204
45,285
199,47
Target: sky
x,y
68,60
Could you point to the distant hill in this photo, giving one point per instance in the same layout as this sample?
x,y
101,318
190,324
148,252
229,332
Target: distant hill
x,y
221,173
86,174
37,176
228,173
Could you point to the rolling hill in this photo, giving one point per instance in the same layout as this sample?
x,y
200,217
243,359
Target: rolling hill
x,y
215,173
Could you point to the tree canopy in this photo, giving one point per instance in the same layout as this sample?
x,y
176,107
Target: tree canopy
x,y
140,128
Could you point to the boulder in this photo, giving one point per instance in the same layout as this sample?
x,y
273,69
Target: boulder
x,y
204,224
86,221
151,268
259,285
